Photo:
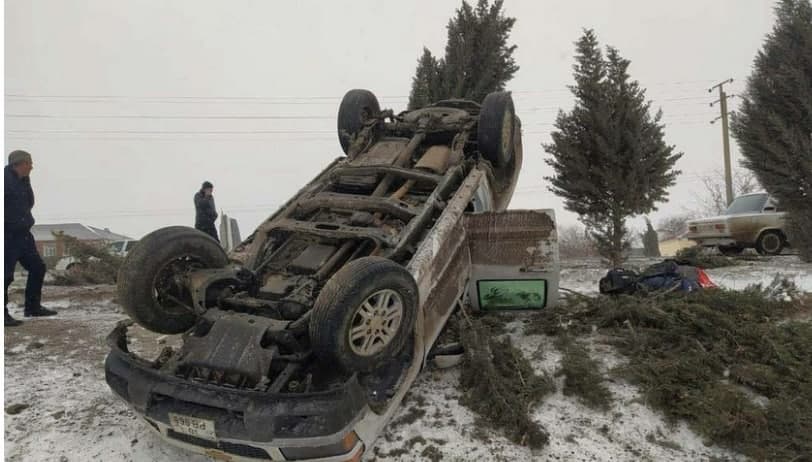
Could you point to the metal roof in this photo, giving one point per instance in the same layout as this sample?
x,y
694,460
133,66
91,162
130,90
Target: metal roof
x,y
45,232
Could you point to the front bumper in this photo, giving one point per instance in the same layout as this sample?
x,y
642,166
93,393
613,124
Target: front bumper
x,y
241,451
250,425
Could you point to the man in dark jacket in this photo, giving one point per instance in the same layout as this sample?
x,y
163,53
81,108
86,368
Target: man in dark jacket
x,y
19,242
205,211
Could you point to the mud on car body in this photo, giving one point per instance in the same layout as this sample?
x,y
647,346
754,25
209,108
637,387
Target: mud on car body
x,y
301,343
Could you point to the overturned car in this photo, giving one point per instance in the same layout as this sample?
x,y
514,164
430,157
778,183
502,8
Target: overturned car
x,y
301,343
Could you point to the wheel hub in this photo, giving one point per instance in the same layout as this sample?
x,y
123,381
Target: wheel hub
x,y
771,243
376,322
168,285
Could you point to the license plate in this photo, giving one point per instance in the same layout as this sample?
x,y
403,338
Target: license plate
x,y
193,426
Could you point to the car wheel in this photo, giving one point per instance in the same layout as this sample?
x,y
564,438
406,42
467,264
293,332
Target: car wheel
x,y
365,314
730,250
770,243
495,128
355,108
149,286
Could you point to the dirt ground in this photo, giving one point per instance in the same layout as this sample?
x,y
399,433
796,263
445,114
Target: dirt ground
x,y
58,407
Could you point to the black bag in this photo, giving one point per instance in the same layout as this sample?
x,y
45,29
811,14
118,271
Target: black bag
x,y
664,268
618,281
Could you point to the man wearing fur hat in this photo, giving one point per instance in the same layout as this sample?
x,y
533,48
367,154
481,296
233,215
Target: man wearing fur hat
x,y
19,242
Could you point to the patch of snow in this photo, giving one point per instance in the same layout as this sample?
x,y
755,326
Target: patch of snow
x,y
582,275
740,276
18,349
74,414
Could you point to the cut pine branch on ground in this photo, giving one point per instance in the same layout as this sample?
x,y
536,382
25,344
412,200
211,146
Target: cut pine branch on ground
x,y
582,376
734,365
500,385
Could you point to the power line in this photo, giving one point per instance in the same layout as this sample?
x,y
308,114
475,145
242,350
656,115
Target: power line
x,y
170,117
298,97
168,132
271,207
330,139
210,117
279,100
184,97
152,213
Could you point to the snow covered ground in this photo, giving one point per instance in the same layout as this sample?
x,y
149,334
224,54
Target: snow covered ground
x,y
582,275
54,370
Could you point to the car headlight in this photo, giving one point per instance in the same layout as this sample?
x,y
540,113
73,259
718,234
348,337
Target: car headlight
x,y
336,449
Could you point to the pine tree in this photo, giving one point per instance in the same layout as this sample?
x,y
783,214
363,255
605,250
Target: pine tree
x,y
609,157
426,81
774,124
477,61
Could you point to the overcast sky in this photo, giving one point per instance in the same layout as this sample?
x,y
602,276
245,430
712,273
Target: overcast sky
x,y
127,106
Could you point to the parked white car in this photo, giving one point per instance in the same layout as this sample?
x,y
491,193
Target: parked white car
x,y
751,221
120,248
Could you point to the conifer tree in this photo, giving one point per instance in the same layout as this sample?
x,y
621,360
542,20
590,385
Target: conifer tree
x,y
774,124
478,59
426,81
609,158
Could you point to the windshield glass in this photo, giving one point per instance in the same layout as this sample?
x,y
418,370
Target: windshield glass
x,y
747,204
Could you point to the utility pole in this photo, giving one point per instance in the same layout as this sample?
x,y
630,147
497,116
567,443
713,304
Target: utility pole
x,y
725,135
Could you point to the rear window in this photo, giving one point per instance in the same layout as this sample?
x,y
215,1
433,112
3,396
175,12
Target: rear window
x,y
753,203
512,294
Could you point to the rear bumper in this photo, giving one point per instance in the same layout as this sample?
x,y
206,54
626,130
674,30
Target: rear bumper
x,y
249,425
712,241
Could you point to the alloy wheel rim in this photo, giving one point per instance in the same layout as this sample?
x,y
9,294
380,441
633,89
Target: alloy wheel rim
x,y
375,322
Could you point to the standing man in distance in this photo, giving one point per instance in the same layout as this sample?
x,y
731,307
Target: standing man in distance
x,y
205,211
19,242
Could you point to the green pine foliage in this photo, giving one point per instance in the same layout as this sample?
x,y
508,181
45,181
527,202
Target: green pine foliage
x,y
774,124
426,82
609,158
478,59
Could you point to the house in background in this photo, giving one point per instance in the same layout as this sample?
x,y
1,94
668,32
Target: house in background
x,y
670,247
672,242
49,246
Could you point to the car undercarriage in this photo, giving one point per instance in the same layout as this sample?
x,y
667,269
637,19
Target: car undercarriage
x,y
310,331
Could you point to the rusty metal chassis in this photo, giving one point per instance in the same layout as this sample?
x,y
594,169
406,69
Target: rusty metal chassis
x,y
315,197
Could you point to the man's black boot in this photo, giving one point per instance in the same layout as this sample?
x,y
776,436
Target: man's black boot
x,y
11,322
37,312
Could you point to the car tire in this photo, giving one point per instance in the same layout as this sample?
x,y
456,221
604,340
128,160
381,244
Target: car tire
x,y
496,127
730,250
770,243
355,108
144,279
364,315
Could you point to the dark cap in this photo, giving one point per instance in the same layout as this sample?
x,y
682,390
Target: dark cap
x,y
18,156
207,185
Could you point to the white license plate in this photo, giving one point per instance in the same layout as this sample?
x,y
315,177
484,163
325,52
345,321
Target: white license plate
x,y
201,428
